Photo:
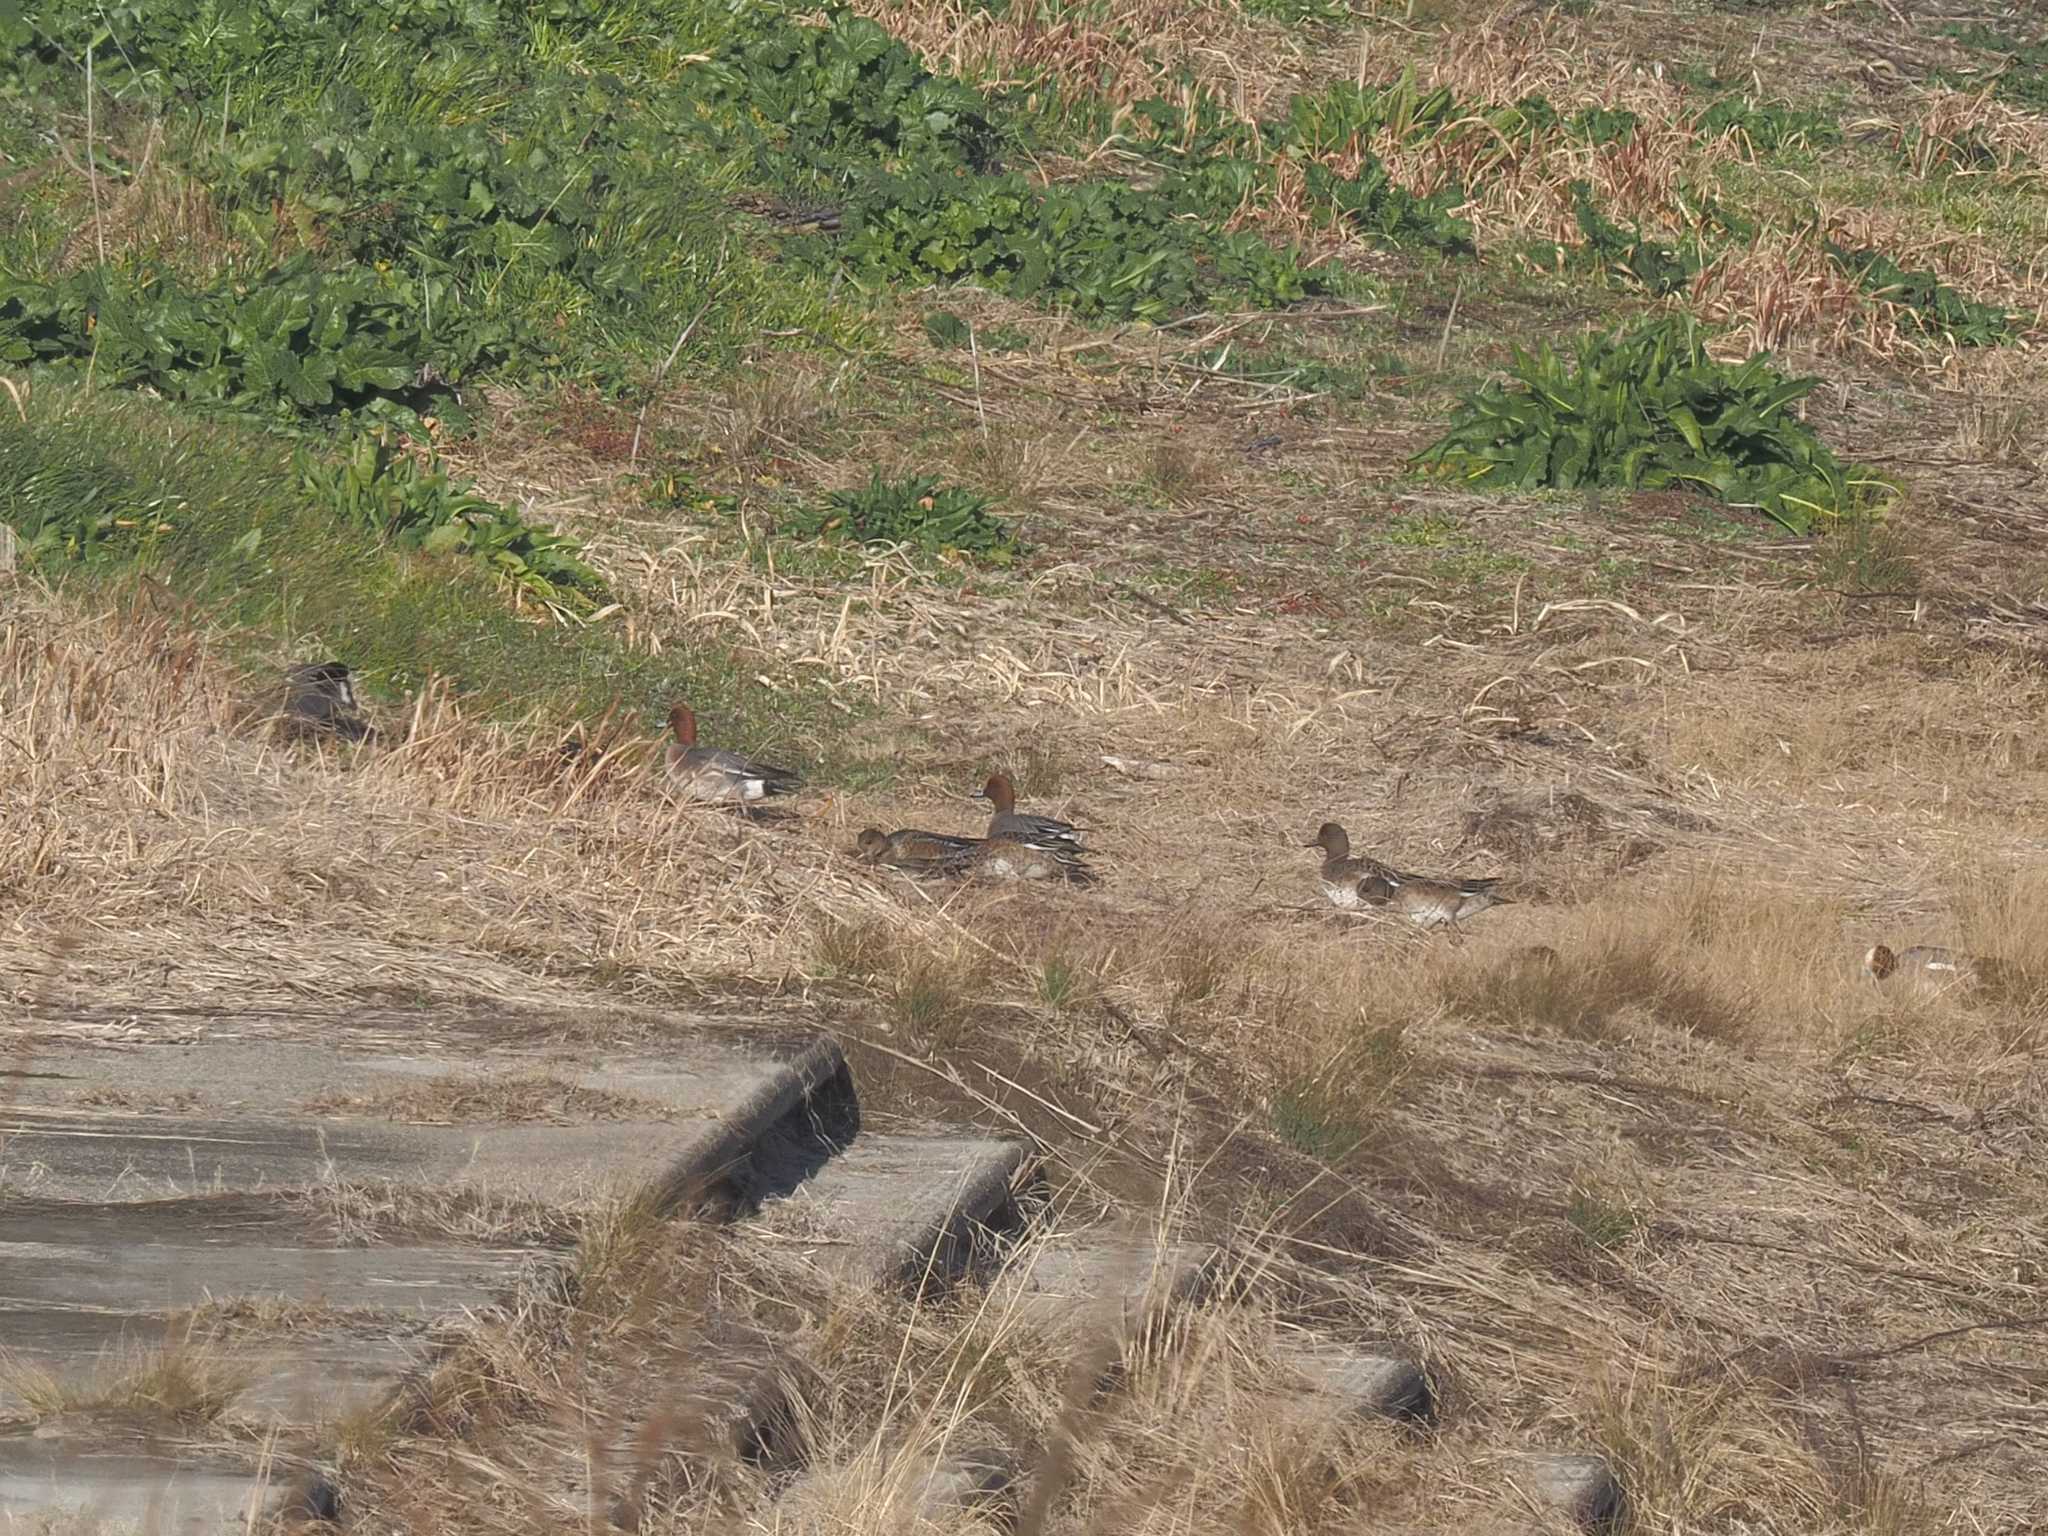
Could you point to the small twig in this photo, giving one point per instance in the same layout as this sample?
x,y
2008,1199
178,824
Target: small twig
x,y
92,168
654,389
1153,603
974,351
1443,348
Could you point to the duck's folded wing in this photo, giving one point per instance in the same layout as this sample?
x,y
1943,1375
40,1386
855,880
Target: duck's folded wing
x,y
744,771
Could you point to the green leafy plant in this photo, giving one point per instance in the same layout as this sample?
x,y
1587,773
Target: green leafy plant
x,y
296,343
2021,76
1930,306
841,97
1102,248
1766,126
919,511
1649,409
418,506
1660,268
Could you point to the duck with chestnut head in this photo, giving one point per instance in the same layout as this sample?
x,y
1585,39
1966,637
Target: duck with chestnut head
x,y
714,776
1009,824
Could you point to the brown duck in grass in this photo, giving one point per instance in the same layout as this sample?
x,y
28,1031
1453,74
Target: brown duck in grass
x,y
714,776
1353,880
940,855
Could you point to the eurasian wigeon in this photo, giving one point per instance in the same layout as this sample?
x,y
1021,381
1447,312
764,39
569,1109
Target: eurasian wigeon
x,y
1006,858
1344,873
919,852
320,699
1428,903
714,776
1009,824
1928,965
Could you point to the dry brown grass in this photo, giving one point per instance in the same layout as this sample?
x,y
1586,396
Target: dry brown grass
x,y
1124,52
1695,1191
184,1385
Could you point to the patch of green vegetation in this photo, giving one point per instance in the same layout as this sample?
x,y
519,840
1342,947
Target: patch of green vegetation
x,y
1311,1119
1105,249
1423,530
943,328
416,506
916,157
1868,556
1059,982
1217,163
1649,409
920,512
1768,127
1661,269
1932,307
230,526
415,192
1194,585
1600,1221
837,99
2021,76
1612,574
1330,12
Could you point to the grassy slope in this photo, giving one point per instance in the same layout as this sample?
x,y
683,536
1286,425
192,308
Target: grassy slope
x,y
1669,1199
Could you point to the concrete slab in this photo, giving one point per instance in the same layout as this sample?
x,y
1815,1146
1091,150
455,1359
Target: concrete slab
x,y
1372,1381
117,1486
139,1182
906,1210
1580,1487
715,1119
1108,1282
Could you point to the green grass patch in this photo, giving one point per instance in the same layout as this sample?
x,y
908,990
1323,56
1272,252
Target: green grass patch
x,y
2020,76
218,511
1649,409
920,512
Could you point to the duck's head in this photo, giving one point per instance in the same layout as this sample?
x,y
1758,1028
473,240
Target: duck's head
x,y
999,791
683,724
1880,962
1332,839
872,843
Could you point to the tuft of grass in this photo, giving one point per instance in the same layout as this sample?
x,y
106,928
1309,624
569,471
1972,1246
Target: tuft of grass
x,y
1599,1220
1184,470
183,1383
1867,554
1311,1118
854,949
919,512
1060,982
927,1003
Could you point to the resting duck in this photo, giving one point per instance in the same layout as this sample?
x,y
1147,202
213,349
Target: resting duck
x,y
714,776
1929,965
1344,874
1012,825
922,853
936,853
1002,858
1428,903
320,699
